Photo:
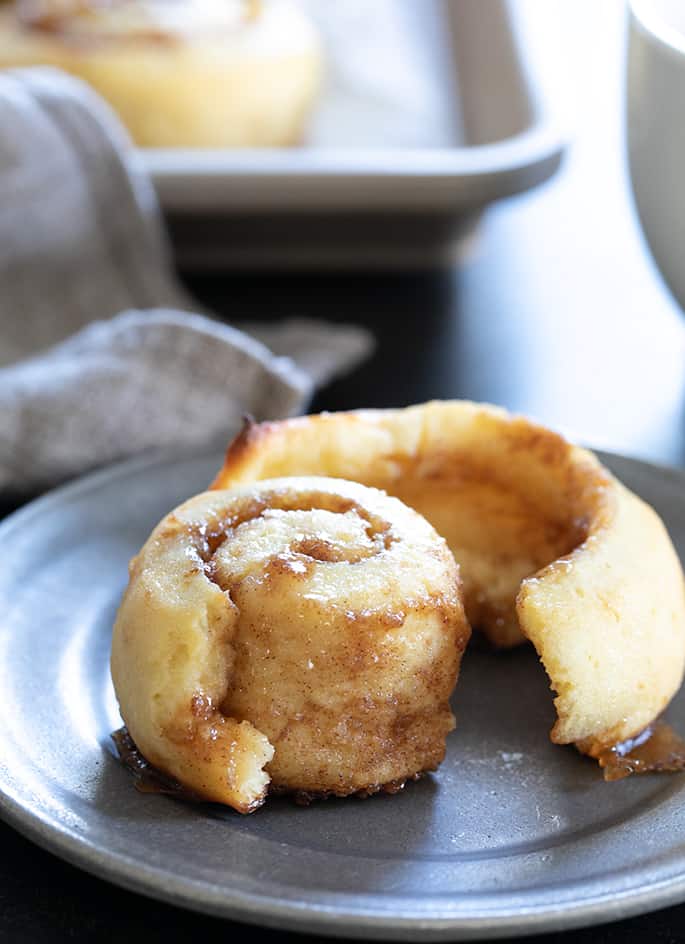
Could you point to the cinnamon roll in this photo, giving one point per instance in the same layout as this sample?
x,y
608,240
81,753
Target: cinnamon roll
x,y
180,73
300,635
551,547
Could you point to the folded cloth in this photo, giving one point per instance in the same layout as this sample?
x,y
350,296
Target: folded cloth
x,y
101,356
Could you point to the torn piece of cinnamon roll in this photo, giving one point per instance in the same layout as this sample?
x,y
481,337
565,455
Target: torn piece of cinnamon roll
x,y
551,547
302,635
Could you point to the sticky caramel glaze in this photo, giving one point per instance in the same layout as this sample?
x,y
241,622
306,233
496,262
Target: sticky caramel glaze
x,y
319,618
146,778
657,749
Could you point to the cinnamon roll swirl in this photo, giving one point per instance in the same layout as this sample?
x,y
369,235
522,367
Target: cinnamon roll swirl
x,y
300,635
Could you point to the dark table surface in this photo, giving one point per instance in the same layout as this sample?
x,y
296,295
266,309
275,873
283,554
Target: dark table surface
x,y
555,310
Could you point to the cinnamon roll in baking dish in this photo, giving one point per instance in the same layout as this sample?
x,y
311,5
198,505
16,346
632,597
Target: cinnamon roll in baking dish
x,y
302,635
180,73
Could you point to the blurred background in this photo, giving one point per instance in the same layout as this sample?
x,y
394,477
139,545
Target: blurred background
x,y
553,305
450,174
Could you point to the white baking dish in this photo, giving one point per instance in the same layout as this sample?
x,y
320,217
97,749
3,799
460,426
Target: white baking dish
x,y
326,203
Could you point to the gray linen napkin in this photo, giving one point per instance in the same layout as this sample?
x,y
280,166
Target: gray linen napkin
x,y
101,356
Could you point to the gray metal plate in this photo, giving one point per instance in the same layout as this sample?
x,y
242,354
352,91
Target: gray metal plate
x,y
512,835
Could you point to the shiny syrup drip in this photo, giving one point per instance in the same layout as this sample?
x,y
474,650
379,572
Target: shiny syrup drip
x,y
656,749
146,778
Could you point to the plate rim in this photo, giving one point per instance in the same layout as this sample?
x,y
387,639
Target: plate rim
x,y
270,909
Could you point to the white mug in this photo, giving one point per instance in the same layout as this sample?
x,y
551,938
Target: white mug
x,y
656,130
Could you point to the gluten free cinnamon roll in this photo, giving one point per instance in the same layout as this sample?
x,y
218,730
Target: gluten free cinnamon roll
x,y
300,635
552,547
180,73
